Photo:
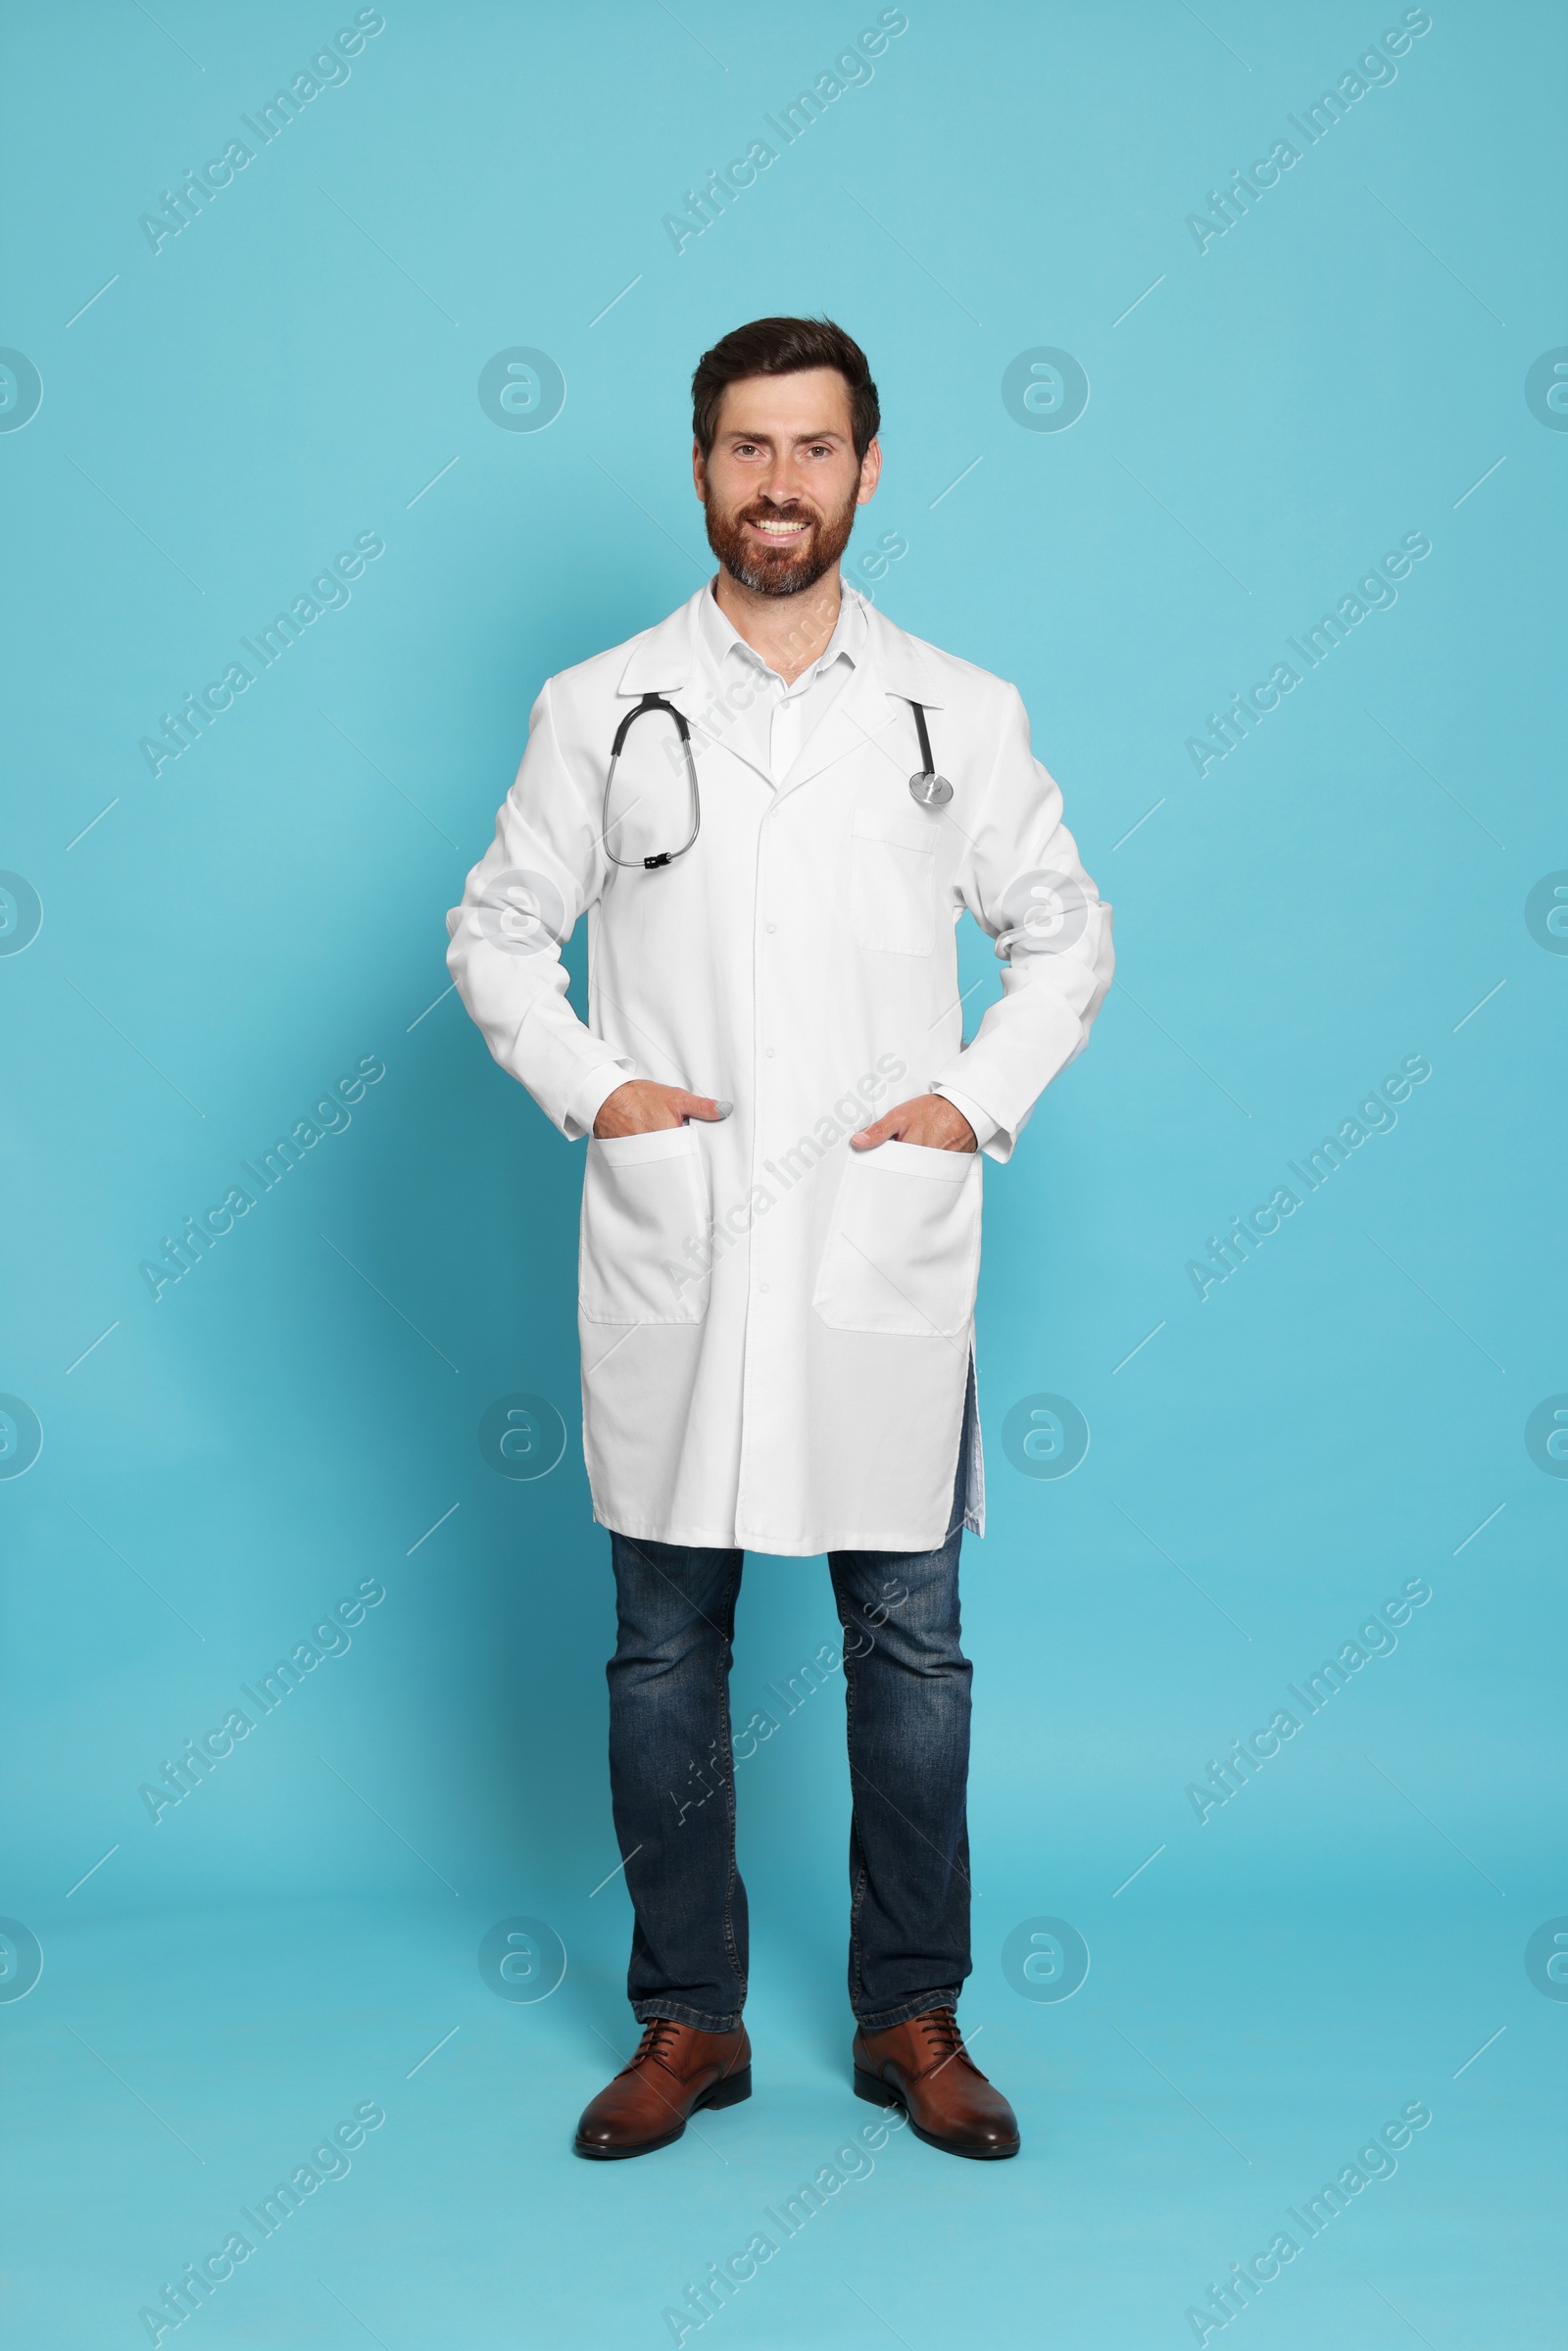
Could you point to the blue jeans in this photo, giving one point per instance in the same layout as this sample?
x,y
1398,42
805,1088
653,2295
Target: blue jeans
x,y
672,1777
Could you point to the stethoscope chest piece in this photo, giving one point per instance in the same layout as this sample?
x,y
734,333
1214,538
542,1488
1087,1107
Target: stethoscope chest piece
x,y
930,791
927,789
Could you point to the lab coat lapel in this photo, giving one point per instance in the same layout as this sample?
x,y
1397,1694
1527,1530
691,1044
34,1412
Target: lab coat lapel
x,y
668,660
871,717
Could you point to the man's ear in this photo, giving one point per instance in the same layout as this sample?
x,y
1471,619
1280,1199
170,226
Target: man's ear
x,y
870,472
698,471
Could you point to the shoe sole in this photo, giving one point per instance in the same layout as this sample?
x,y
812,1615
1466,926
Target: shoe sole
x,y
728,2092
877,2093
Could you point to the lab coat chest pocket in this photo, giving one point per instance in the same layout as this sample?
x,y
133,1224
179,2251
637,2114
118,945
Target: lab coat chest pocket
x,y
645,1217
903,1253
892,880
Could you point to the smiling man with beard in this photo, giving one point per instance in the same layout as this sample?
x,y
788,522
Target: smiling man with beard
x,y
771,939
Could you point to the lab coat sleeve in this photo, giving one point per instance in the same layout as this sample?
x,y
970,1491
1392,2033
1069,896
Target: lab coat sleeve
x,y
520,905
1021,879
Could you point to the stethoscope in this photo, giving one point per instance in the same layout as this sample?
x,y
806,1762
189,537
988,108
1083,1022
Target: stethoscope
x,y
927,789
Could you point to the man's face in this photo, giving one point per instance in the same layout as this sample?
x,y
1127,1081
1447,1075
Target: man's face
x,y
782,481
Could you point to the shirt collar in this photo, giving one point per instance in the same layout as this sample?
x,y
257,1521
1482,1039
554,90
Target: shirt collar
x,y
722,637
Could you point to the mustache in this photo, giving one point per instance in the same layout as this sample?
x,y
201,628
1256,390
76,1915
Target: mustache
x,y
795,512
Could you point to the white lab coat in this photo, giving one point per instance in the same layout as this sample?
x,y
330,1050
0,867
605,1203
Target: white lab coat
x,y
776,1331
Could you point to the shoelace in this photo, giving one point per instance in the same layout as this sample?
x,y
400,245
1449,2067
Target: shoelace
x,y
943,2037
657,2033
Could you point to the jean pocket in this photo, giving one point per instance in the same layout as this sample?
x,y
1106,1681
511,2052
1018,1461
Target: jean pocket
x,y
644,1243
903,1253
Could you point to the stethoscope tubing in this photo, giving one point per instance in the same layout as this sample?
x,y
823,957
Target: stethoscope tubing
x,y
926,788
651,702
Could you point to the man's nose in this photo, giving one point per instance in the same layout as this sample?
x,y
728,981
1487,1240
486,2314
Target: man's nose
x,y
781,487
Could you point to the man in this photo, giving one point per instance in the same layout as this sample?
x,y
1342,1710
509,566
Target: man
x,y
781,1204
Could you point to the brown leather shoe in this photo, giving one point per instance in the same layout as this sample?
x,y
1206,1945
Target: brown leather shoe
x,y
675,2070
924,2066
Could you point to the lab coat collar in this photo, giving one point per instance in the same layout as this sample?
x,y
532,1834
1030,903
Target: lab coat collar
x,y
890,670
900,662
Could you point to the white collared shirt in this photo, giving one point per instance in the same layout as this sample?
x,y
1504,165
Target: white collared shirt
x,y
751,708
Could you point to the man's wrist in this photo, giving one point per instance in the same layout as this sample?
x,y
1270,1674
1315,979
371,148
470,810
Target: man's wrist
x,y
984,1127
592,1095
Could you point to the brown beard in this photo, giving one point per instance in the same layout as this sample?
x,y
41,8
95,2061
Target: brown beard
x,y
774,571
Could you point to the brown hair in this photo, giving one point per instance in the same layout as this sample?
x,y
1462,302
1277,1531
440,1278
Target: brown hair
x,y
784,347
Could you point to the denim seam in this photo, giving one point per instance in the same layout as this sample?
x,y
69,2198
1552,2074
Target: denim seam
x,y
857,1894
728,1754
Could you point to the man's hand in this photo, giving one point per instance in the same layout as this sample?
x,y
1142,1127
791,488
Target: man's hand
x,y
930,1119
640,1105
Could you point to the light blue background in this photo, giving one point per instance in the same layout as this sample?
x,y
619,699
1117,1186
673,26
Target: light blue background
x,y
1339,893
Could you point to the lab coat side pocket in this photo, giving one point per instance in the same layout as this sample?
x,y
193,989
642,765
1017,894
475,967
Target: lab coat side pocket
x,y
645,1238
902,1254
